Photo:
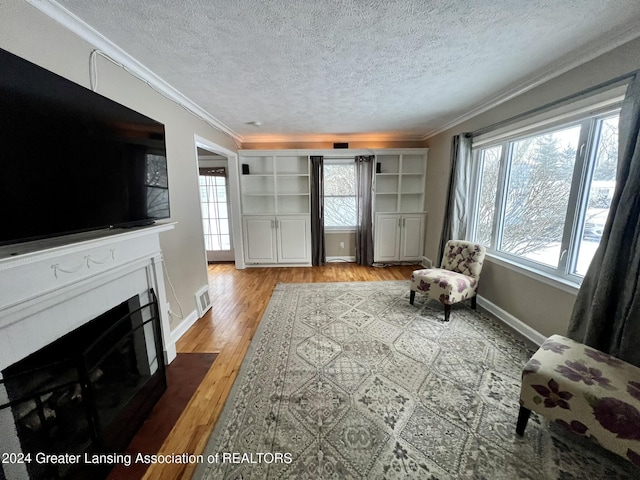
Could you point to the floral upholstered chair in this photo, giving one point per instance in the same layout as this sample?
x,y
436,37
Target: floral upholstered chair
x,y
586,391
456,280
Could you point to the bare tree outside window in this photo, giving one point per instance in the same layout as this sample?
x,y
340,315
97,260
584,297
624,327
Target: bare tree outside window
x,y
603,184
339,195
488,187
538,194
526,216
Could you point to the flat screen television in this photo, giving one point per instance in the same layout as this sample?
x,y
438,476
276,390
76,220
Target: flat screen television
x,y
72,160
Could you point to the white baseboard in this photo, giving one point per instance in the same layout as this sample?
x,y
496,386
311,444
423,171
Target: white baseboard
x,y
519,326
185,325
341,259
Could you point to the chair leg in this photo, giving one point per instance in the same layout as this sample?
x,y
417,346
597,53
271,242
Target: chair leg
x,y
412,296
474,304
447,312
523,418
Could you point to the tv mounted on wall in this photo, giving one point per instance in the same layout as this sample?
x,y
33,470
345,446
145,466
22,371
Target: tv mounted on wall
x,y
72,160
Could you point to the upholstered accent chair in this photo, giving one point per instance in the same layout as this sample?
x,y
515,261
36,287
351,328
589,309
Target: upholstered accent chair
x,y
456,280
586,391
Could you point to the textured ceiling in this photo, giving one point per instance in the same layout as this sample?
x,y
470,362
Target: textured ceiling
x,y
310,70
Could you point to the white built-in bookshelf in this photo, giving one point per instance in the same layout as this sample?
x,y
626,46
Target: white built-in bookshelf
x,y
275,185
399,185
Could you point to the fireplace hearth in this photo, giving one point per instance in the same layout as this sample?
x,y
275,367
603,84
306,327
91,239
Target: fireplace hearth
x,y
88,391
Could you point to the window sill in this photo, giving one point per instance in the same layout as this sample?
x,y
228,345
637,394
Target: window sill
x,y
561,284
339,230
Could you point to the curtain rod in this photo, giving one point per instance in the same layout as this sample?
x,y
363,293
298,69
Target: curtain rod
x,y
614,82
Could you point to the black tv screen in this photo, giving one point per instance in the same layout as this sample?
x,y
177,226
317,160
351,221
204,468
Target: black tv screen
x,y
72,160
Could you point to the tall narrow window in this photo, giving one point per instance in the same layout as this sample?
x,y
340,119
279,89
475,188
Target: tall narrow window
x,y
600,189
339,194
488,184
543,197
215,209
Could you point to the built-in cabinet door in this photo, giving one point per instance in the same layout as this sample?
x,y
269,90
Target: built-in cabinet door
x,y
277,239
294,242
387,238
259,239
412,243
399,237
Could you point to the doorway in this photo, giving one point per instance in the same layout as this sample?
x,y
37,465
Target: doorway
x,y
215,206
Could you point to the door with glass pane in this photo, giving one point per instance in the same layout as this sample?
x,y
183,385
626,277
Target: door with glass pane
x,y
214,201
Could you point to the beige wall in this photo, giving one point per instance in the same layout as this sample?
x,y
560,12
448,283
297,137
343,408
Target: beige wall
x,y
332,244
543,307
30,34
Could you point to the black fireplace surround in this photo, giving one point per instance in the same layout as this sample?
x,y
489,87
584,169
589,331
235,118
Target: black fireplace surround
x,y
89,391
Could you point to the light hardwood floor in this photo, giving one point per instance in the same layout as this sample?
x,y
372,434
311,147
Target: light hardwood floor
x,y
239,298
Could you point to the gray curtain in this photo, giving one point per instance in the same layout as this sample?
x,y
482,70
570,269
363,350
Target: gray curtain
x,y
318,254
606,314
364,228
456,214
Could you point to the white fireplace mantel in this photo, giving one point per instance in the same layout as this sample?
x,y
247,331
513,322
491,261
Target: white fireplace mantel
x,y
51,290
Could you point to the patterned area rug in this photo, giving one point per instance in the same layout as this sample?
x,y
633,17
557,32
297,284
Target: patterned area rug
x,y
349,381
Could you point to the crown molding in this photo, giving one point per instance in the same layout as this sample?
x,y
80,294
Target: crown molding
x,y
71,22
328,137
568,62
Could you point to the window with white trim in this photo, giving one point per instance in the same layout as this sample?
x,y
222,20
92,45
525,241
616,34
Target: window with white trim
x,y
339,194
542,196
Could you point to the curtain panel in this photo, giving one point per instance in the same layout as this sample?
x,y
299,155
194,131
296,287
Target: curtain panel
x,y
606,314
458,207
318,253
364,228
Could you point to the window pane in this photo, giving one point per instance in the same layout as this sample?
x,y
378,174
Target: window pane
x,y
340,179
487,198
538,189
215,212
339,211
600,191
340,195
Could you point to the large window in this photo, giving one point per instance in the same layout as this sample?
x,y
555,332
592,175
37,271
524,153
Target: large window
x,y
339,194
542,197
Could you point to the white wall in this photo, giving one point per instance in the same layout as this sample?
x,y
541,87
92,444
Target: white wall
x,y
543,307
30,34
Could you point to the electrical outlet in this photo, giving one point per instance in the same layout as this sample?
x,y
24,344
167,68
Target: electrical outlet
x,y
341,245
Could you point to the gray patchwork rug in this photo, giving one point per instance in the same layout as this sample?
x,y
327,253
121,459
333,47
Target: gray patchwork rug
x,y
349,381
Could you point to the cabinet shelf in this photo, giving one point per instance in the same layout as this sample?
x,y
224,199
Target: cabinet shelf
x,y
277,184
400,183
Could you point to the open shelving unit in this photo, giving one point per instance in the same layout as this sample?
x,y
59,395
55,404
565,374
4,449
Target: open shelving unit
x,y
275,185
275,195
399,185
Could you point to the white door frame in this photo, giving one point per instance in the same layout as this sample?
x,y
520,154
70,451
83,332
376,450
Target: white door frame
x,y
234,195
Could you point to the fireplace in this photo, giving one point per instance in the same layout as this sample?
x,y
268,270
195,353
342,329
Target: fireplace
x,y
59,289
88,391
